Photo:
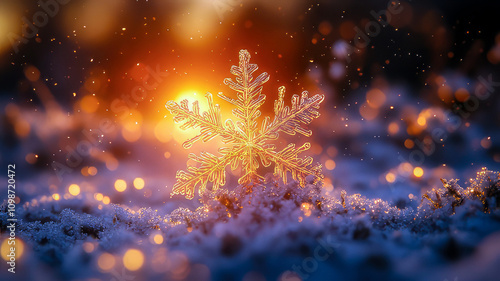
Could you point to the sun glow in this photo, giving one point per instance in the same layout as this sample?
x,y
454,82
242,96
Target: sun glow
x,y
191,96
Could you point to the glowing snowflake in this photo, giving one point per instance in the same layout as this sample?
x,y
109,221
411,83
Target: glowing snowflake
x,y
248,145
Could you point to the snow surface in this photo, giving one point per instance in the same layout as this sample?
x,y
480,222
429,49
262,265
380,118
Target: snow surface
x,y
275,232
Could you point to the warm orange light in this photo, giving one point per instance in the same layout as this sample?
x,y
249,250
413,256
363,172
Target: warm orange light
x,y
131,135
89,104
106,200
306,208
163,130
5,249
409,143
120,185
88,247
375,98
445,93
31,158
10,14
368,112
418,172
486,142
462,95
74,189
56,196
325,28
158,239
98,196
193,96
133,259
133,120
106,261
390,177
332,151
92,171
138,183
327,184
192,28
93,22
85,171
405,168
330,164
32,73
111,163
178,134
316,148
22,128
421,121
393,128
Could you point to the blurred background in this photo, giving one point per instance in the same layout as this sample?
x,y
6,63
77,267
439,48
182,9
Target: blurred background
x,y
411,90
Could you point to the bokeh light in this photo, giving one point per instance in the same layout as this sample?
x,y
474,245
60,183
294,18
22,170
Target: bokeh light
x,y
139,183
74,189
390,177
158,239
133,259
6,246
330,164
106,261
418,172
88,247
120,185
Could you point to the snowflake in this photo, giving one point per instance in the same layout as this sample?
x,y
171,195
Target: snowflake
x,y
248,145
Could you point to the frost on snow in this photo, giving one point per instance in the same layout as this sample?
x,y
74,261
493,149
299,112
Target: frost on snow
x,y
248,143
274,231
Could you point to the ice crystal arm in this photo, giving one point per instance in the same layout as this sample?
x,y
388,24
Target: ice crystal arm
x,y
209,122
289,120
211,169
249,99
288,160
248,92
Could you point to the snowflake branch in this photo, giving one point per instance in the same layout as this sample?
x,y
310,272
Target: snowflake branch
x,y
289,120
212,169
209,122
287,160
249,97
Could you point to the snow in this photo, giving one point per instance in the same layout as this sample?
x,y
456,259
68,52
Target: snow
x,y
275,232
